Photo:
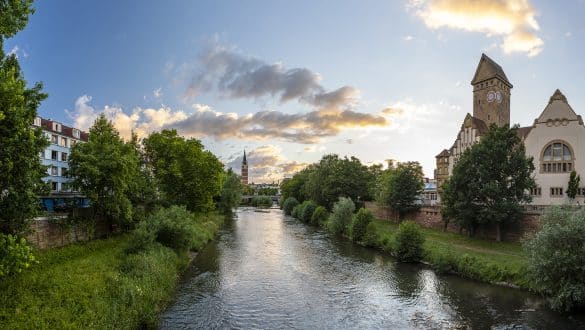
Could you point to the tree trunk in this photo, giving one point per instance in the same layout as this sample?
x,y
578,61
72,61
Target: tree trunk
x,y
498,232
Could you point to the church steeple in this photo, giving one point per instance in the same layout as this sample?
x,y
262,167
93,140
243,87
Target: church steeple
x,y
244,169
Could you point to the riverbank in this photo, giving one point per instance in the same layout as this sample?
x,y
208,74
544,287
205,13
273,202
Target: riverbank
x,y
488,261
96,285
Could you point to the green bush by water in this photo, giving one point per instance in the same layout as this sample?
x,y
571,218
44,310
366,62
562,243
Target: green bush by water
x,y
341,216
289,204
320,216
307,208
360,223
261,201
409,242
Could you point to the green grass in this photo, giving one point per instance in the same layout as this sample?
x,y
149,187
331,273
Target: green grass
x,y
95,285
474,258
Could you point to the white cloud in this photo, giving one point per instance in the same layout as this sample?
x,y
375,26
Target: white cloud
x,y
157,93
514,20
408,38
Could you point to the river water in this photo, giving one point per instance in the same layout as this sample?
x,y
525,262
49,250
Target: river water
x,y
269,271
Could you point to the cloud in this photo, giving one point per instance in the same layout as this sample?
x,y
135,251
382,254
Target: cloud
x,y
266,164
157,93
236,76
393,111
301,128
142,121
408,38
515,20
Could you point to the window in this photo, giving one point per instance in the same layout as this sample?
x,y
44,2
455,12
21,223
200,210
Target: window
x,y
76,133
536,191
65,186
556,192
64,156
37,121
581,191
64,171
54,186
54,171
56,127
73,143
63,141
557,157
54,155
54,139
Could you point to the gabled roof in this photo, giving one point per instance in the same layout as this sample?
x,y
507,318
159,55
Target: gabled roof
x,y
487,69
444,153
475,122
47,125
557,109
522,132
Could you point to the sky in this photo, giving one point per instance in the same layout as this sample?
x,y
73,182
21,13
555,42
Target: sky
x,y
290,81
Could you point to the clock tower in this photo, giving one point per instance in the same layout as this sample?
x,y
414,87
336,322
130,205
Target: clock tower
x,y
491,93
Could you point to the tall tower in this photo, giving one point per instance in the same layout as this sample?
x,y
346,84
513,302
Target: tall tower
x,y
491,93
244,169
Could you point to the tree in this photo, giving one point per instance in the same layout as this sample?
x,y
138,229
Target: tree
x,y
490,181
186,174
105,169
231,192
400,187
296,186
20,144
556,265
573,187
341,216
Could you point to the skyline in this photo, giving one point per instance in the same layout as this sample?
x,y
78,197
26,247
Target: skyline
x,y
288,84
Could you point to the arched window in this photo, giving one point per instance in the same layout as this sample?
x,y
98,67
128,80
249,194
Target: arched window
x,y
557,157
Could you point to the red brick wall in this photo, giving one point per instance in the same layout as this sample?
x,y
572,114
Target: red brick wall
x,y
430,217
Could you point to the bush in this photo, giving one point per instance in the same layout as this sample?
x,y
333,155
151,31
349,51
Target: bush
x,y
556,262
296,212
319,217
289,204
173,227
341,216
306,211
261,201
409,242
15,255
360,223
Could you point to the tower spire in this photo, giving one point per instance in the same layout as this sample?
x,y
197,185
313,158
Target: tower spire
x,y
244,173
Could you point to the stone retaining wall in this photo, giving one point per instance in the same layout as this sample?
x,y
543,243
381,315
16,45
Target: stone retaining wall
x,y
55,232
430,217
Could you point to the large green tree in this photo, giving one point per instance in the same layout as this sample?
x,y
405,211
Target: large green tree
x,y
573,185
105,169
20,144
400,187
490,182
231,192
186,173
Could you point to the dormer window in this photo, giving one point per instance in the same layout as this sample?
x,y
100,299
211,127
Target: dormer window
x,y
37,122
56,127
76,133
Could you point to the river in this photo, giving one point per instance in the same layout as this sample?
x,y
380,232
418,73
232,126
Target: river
x,y
269,271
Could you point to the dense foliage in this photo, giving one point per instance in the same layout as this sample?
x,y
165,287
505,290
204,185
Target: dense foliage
x,y
573,185
20,144
186,173
105,169
489,182
15,255
307,210
409,242
556,258
400,187
289,204
341,216
231,193
320,216
261,201
360,223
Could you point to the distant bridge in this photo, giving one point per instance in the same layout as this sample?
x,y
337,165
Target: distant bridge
x,y
248,198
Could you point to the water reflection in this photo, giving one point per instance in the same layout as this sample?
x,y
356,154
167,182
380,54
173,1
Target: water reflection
x,y
270,271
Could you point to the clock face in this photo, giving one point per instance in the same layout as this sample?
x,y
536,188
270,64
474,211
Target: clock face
x,y
491,96
499,97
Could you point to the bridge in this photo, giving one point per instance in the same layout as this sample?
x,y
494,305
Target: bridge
x,y
247,199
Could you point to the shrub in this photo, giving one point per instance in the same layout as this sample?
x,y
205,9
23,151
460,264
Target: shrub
x,y
341,216
556,262
296,211
261,201
15,255
319,217
307,210
409,242
173,227
289,204
360,223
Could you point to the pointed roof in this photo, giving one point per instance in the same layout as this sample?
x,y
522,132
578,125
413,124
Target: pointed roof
x,y
444,153
474,122
244,161
487,69
557,109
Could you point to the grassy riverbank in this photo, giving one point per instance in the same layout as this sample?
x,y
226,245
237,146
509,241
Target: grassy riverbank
x,y
488,261
96,285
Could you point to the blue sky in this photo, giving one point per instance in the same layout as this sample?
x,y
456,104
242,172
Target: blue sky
x,y
377,79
